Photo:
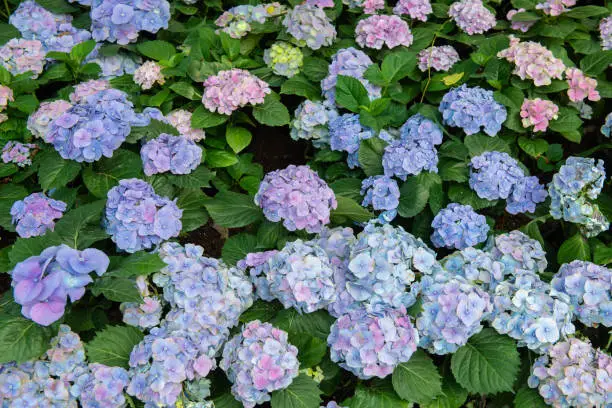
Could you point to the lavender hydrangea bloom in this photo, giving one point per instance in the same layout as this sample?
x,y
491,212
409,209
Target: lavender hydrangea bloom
x,y
518,253
310,27
137,218
372,345
83,90
472,109
297,196
175,154
19,56
232,89
527,192
476,266
257,361
40,121
378,30
605,32
417,9
382,193
102,387
458,226
346,134
453,311
142,315
589,289
36,214
18,153
311,122
42,284
472,16
440,58
115,65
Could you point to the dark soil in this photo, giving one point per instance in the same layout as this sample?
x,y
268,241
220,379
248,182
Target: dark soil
x,y
274,149
208,238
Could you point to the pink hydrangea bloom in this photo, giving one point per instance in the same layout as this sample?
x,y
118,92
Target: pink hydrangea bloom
x,y
6,96
537,113
40,121
148,74
581,86
370,6
19,56
472,16
376,31
417,9
533,61
18,153
84,89
232,89
605,31
523,26
439,58
555,7
181,120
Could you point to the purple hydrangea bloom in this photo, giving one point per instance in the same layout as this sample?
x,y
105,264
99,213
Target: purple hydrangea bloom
x,y
378,30
346,134
102,387
257,361
382,193
472,16
115,65
311,122
232,89
40,121
518,253
476,266
458,226
142,315
440,58
18,153
36,214
472,109
372,345
589,289
297,196
175,154
310,27
83,90
137,218
321,3
417,9
605,32
19,56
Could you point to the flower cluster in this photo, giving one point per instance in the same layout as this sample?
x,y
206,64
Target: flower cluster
x,y
605,31
6,96
346,134
476,266
181,120
533,61
43,283
142,315
606,128
257,361
417,9
472,16
523,26
19,56
538,113
236,22
573,374
40,121
348,62
148,74
452,312
458,226
382,193
378,30
320,3
581,87
284,59
114,65
232,89
136,218
369,6
175,154
573,191
518,253
372,345
472,109
440,58
83,90
121,21
311,121
102,386
36,214
309,26
332,404
18,153
588,287
555,7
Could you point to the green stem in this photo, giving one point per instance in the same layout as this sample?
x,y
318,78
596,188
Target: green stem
x,y
438,32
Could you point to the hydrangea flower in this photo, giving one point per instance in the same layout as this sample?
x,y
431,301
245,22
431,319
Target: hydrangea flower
x,y
284,59
372,345
18,153
458,226
589,289
605,32
346,134
606,128
297,196
538,113
36,214
142,315
320,3
476,266
533,61
453,311
181,120
102,387
310,27
42,284
573,374
416,9
83,90
115,65
523,26
259,360
175,154
332,404
121,21
471,16
573,191
6,96
378,30
19,56
232,89
236,22
369,6
148,74
526,193
440,58
39,122
581,87
555,7
382,193
518,253
473,109
311,122
136,218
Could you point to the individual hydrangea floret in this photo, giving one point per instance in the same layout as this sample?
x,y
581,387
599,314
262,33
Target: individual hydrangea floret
x,y
417,9
116,65
40,121
36,214
573,374
440,58
311,122
284,59
606,128
18,153
473,109
581,87
372,345
378,30
382,193
121,21
538,113
167,153
346,134
518,253
181,120
555,7
232,89
148,74
533,61
102,386
137,218
588,286
83,90
6,96
42,284
146,314
472,16
310,27
297,196
452,311
605,32
19,56
476,266
369,6
523,26
458,226
258,361
236,22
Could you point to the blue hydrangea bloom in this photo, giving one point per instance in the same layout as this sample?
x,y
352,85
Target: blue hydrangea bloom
x,y
606,128
494,174
36,214
102,387
382,193
527,192
518,253
472,109
346,134
175,154
458,226
311,122
476,266
113,66
419,129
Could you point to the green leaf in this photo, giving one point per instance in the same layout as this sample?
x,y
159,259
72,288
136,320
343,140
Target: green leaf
x,y
238,138
414,194
156,49
417,380
106,173
198,178
487,364
140,263
510,97
9,193
350,209
113,345
453,170
186,90
233,210
230,45
351,94
378,395
8,32
453,395
202,118
54,171
216,158
525,16
464,195
269,234
315,68
80,51
478,144
398,65
528,398
596,63
574,248
567,121
271,113
311,350
316,324
299,85
73,230
586,11
116,289
25,103
533,147
237,247
370,156
25,248
302,393
57,6
264,311
226,400
602,254
21,339
192,201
